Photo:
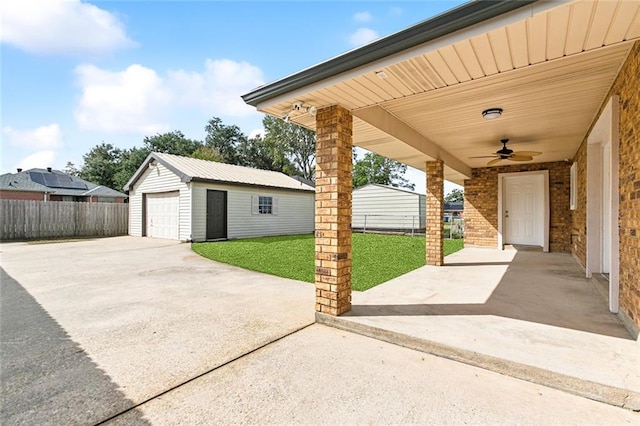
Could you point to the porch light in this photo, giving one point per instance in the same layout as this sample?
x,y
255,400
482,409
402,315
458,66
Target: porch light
x,y
491,113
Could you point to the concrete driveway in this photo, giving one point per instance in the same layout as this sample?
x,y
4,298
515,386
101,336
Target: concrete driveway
x,y
90,328
141,331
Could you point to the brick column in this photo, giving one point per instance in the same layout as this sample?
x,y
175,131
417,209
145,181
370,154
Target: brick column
x,y
333,210
435,211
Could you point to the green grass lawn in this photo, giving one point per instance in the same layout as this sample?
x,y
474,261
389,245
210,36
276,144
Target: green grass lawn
x,y
376,258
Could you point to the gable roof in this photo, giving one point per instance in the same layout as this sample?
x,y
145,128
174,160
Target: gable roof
x,y
21,182
196,170
45,180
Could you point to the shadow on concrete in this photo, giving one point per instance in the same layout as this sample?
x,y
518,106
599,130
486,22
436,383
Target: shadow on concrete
x,y
46,377
537,287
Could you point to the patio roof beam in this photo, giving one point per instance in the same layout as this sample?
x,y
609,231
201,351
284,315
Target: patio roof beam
x,y
391,125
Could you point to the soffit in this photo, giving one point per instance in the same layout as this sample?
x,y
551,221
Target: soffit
x,y
549,72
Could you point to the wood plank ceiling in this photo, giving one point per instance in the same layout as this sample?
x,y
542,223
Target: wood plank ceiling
x,y
549,72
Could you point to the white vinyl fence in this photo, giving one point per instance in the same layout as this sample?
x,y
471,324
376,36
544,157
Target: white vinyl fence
x,y
29,220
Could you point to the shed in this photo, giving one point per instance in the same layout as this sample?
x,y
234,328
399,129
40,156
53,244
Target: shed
x,y
384,207
189,199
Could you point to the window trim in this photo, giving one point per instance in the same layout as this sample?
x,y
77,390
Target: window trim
x,y
573,187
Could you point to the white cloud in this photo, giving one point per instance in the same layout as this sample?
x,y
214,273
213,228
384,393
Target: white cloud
x,y
139,101
362,17
40,159
363,36
257,133
130,101
218,88
43,137
61,26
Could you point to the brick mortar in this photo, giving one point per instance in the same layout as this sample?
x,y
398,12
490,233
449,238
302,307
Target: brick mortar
x,y
434,171
627,87
333,210
481,204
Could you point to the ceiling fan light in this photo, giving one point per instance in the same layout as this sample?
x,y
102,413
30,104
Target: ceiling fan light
x,y
492,113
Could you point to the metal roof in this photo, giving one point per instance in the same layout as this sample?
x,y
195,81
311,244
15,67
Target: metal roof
x,y
194,169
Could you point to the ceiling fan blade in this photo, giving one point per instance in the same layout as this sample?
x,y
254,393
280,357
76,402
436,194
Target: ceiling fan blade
x,y
487,156
520,158
494,161
527,153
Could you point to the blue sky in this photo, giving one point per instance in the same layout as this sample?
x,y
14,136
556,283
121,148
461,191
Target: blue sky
x,y
76,74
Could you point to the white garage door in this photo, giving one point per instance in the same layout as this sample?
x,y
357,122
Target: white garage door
x,y
162,215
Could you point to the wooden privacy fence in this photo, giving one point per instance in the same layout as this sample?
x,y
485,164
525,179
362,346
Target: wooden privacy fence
x,y
29,220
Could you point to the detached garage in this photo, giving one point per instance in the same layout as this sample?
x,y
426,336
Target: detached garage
x,y
188,199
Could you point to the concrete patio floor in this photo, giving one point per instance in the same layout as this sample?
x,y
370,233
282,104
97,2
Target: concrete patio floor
x,y
526,314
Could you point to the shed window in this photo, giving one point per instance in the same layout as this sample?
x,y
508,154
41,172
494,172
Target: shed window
x,y
265,205
261,204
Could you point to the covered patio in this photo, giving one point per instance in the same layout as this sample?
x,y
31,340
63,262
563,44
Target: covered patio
x,y
559,82
523,313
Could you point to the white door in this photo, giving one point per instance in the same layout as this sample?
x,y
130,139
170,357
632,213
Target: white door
x,y
162,215
524,210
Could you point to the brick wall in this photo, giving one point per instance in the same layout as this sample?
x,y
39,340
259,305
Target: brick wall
x,y
21,195
627,87
481,204
435,210
333,210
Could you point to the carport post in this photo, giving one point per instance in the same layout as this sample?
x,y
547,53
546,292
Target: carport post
x,y
333,210
435,211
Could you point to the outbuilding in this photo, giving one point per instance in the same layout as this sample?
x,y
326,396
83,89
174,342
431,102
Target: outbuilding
x,y
189,199
387,208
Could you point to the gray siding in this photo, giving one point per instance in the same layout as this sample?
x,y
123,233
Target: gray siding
x,y
154,180
387,208
295,212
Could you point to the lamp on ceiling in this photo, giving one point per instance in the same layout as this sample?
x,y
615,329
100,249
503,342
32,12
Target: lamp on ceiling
x,y
492,113
300,106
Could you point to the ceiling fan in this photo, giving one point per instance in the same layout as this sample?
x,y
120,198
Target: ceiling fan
x,y
508,154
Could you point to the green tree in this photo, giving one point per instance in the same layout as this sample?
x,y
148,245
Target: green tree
x,y
130,161
168,143
262,154
455,196
171,143
207,153
71,169
101,165
225,139
289,141
374,168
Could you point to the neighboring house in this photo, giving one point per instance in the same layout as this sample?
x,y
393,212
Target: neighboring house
x,y
453,211
54,185
189,199
383,207
560,80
